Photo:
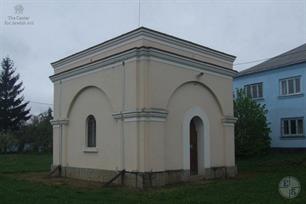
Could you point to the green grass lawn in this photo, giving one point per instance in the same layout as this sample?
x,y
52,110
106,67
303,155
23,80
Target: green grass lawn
x,y
17,163
257,183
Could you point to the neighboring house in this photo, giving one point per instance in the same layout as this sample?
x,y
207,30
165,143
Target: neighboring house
x,y
154,105
280,83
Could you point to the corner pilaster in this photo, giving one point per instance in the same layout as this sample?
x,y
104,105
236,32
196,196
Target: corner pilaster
x,y
229,140
59,141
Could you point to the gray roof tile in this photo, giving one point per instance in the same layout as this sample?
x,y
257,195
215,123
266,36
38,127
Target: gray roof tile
x,y
291,57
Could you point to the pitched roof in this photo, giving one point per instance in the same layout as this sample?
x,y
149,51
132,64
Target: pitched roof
x,y
291,57
149,32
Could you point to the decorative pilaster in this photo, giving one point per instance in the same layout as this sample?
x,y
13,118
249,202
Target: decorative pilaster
x,y
229,140
59,141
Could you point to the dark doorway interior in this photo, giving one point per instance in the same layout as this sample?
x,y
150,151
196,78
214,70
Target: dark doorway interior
x,y
193,149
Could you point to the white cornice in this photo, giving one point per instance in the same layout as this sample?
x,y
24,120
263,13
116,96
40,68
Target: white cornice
x,y
144,32
62,121
229,119
143,52
145,114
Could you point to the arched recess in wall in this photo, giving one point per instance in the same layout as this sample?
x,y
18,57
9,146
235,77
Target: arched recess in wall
x,y
80,92
200,84
203,131
181,117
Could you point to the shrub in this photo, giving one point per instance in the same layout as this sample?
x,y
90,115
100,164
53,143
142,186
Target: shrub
x,y
8,142
252,129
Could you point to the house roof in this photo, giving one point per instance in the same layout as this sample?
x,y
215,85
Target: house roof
x,y
291,57
144,32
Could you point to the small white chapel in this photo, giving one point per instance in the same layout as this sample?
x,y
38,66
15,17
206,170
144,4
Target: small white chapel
x,y
144,109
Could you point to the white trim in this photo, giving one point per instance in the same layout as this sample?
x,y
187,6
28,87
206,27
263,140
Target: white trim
x,y
95,55
62,121
117,64
182,49
146,114
90,149
145,119
191,113
257,90
229,124
286,80
289,127
140,52
229,120
112,66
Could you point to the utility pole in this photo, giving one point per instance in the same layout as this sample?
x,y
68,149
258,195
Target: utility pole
x,y
138,13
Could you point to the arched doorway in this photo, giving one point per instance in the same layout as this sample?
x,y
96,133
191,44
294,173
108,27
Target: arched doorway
x,y
196,147
197,118
193,137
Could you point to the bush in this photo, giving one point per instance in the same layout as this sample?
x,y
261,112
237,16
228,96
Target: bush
x,y
252,129
8,142
35,136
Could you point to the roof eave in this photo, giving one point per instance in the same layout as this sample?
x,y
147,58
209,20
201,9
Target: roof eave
x,y
135,33
279,67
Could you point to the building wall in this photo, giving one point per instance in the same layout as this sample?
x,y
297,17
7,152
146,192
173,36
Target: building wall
x,y
280,107
141,145
98,92
178,90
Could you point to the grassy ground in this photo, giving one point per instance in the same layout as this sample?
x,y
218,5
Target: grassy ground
x,y
257,183
17,163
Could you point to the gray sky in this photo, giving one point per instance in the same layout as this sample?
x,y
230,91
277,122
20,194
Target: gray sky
x,y
248,29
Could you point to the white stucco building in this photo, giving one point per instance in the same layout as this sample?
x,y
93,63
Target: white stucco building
x,y
159,107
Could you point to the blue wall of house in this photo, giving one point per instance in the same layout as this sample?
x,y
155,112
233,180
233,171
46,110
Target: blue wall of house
x,y
280,107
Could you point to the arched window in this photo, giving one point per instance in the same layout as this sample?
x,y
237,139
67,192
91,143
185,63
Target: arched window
x,y
91,131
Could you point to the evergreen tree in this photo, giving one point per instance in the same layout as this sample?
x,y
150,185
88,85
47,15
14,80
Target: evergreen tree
x,y
13,109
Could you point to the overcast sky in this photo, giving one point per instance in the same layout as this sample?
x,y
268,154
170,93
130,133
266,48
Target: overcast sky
x,y
250,30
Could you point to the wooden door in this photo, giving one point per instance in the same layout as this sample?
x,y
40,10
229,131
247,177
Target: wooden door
x,y
193,149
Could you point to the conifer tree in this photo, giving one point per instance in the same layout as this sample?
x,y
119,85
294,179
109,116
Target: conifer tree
x,y
13,108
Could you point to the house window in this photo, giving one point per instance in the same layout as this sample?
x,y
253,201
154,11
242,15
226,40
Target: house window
x,y
290,86
91,131
254,91
292,127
